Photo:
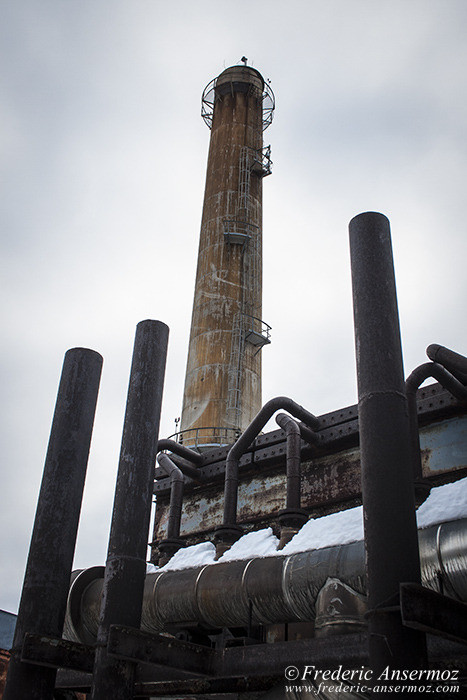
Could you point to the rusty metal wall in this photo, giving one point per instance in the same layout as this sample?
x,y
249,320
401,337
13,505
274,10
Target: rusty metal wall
x,y
236,123
330,480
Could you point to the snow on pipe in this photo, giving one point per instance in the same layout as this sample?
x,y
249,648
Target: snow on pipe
x,y
279,589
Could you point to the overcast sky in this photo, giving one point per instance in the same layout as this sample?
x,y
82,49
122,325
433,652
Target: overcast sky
x,y
103,157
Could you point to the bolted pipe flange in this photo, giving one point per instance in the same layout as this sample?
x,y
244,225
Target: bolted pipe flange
x,y
167,548
225,536
293,517
422,488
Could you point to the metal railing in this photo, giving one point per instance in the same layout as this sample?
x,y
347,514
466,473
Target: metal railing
x,y
208,100
257,332
210,436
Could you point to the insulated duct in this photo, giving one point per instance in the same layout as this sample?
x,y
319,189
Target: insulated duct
x,y
276,589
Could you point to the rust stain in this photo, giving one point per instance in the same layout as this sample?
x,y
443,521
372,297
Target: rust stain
x,y
331,478
329,482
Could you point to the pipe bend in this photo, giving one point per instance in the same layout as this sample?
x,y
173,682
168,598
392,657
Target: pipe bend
x,y
169,467
180,450
455,363
294,408
307,434
262,417
438,372
288,424
244,442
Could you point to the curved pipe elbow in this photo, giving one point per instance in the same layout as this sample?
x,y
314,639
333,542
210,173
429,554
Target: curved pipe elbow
x,y
455,363
244,442
438,372
283,402
186,469
288,424
262,417
180,450
308,435
170,468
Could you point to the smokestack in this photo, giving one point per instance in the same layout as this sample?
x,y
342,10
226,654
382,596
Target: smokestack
x,y
223,377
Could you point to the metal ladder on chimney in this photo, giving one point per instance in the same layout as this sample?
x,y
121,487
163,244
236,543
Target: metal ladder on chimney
x,y
245,322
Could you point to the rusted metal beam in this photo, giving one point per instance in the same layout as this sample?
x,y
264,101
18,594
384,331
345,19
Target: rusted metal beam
x,y
134,645
57,653
206,687
432,612
268,664
264,659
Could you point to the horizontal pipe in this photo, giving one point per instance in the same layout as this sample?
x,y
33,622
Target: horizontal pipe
x,y
280,589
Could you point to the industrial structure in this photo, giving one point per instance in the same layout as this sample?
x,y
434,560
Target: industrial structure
x,y
238,621
223,378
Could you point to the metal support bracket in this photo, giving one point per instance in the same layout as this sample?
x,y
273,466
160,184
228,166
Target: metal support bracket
x,y
162,650
432,612
57,653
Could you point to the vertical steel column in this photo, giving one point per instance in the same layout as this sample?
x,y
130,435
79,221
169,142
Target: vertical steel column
x,y
388,496
47,578
126,559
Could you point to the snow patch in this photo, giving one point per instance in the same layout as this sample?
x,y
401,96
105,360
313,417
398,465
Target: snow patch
x,y
191,557
448,502
337,528
262,543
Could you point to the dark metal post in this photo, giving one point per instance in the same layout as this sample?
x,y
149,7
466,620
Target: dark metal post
x,y
388,496
48,570
126,559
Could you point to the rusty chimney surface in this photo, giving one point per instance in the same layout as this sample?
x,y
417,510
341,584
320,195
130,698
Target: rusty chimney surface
x,y
223,375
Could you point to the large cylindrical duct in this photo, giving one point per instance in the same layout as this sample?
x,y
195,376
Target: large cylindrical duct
x,y
223,375
276,589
